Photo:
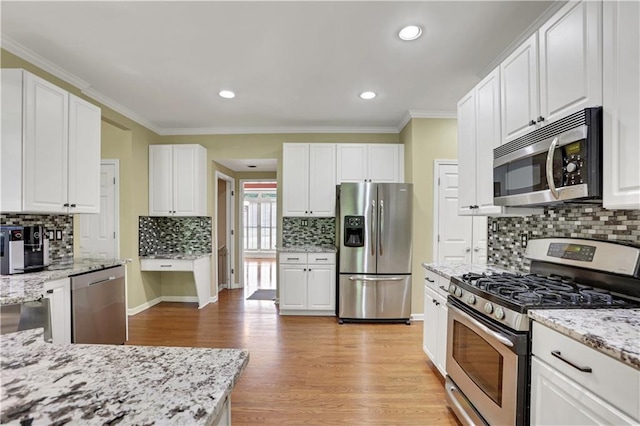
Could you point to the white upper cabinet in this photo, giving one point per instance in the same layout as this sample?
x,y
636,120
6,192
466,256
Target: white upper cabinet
x,y
308,182
370,163
177,180
478,134
55,138
621,105
556,72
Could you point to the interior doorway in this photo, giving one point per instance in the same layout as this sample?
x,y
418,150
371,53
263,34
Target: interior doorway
x,y
100,233
258,236
224,231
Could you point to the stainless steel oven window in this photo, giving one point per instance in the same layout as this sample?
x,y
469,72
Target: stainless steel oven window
x,y
482,363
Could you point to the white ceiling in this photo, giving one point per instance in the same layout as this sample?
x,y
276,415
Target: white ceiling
x,y
296,66
242,165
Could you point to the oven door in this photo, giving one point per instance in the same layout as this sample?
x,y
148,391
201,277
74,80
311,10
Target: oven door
x,y
553,170
487,364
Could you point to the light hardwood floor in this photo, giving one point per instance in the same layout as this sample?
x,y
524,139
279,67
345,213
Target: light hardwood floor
x,y
307,370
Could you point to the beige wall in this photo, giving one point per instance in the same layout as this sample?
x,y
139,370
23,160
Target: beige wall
x,y
425,140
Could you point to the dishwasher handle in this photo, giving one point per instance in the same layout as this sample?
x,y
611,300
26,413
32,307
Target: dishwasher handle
x,y
111,278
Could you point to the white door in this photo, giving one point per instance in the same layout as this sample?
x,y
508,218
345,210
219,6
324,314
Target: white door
x,y
454,231
98,233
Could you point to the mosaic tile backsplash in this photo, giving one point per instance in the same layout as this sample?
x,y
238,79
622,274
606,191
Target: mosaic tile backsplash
x,y
184,235
59,250
318,231
505,247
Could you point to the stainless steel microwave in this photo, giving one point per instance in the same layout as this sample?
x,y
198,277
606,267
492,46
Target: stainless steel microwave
x,y
559,162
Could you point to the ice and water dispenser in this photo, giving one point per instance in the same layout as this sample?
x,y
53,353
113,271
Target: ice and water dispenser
x,y
354,231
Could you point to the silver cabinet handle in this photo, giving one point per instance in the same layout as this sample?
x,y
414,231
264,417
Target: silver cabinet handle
x,y
322,258
381,233
376,279
558,355
372,227
293,258
550,182
166,266
111,278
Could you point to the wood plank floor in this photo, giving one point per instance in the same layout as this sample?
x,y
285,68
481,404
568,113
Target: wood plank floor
x,y
307,370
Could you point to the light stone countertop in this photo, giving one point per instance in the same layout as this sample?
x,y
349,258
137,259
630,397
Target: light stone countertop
x,y
615,332
108,384
28,287
308,249
449,270
176,256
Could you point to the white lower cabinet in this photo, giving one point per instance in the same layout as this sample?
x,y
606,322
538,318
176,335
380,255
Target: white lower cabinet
x,y
573,384
59,294
307,284
434,341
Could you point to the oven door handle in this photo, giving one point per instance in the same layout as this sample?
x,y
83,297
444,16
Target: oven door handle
x,y
498,336
550,182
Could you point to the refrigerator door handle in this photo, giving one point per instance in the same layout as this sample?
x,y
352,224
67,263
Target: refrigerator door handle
x,y
372,228
381,221
376,278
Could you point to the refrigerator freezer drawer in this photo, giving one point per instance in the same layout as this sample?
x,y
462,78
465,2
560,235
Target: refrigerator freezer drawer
x,y
375,297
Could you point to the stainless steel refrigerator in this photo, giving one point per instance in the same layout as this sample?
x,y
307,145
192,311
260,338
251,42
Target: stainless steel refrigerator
x,y
374,228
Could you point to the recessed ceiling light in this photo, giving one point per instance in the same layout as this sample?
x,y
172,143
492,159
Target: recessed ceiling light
x,y
410,32
227,94
367,95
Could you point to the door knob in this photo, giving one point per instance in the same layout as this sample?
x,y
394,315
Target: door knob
x,y
532,123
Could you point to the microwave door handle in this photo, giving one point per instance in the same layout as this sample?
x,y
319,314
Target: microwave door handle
x,y
550,182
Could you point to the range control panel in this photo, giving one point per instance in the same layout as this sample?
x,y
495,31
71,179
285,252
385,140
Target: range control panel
x,y
580,252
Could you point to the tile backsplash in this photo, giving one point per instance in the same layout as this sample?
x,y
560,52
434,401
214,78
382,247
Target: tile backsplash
x,y
505,246
174,235
317,231
59,250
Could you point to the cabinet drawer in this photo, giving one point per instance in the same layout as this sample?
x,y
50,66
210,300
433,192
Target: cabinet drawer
x,y
610,379
435,281
293,258
322,258
166,265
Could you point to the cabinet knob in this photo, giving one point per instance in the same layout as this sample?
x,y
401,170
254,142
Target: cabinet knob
x,y
65,205
540,119
532,123
468,250
73,205
49,291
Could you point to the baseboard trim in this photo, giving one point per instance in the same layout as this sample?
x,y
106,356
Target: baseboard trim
x,y
144,306
184,299
417,317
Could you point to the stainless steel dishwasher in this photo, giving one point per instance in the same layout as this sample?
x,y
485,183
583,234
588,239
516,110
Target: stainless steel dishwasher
x,y
98,310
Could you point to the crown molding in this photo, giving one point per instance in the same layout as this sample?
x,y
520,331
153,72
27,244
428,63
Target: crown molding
x,y
108,102
272,130
412,113
28,55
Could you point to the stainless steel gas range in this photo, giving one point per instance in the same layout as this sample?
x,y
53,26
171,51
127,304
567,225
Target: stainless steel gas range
x,y
488,341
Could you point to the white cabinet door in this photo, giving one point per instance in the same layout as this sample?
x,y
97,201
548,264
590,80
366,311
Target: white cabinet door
x,y
487,132
467,154
295,179
441,335
383,163
322,180
570,60
189,180
558,400
84,156
321,287
519,90
293,286
621,105
160,180
46,127
352,165
431,325
59,295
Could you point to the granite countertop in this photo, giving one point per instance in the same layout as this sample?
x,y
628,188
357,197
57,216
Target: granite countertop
x,y
29,287
175,256
449,270
104,384
615,332
308,249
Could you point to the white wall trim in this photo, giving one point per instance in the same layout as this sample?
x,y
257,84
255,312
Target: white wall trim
x,y
184,299
213,299
436,198
99,97
272,130
417,317
231,209
144,306
413,113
